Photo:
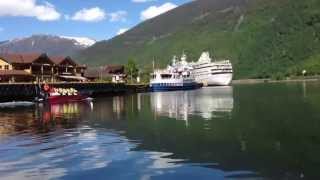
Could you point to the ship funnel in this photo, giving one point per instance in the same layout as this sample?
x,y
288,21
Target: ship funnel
x,y
184,57
205,57
174,60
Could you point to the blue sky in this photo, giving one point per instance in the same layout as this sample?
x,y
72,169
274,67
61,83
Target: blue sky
x,y
97,19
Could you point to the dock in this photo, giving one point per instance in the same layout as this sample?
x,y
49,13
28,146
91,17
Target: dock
x,y
28,91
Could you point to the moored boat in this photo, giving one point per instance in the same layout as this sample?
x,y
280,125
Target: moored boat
x,y
178,76
61,95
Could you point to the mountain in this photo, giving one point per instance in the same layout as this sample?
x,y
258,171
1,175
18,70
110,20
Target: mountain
x,y
52,45
1,42
80,41
262,38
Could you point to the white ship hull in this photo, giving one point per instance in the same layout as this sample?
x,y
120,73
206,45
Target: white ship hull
x,y
215,79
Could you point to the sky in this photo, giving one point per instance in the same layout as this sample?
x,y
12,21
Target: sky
x,y
96,19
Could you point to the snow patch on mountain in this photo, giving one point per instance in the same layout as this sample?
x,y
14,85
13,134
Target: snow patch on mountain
x,y
81,41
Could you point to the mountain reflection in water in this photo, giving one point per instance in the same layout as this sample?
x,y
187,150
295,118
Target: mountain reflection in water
x,y
262,131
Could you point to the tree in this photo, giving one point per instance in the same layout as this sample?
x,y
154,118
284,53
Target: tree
x,y
145,73
131,69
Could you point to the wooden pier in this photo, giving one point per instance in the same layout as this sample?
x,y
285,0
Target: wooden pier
x,y
27,91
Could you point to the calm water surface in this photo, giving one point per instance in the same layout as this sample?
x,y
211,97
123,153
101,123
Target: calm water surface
x,y
262,131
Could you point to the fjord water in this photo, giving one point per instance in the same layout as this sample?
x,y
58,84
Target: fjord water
x,y
260,131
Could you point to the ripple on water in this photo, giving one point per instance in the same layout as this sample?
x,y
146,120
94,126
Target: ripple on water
x,y
77,149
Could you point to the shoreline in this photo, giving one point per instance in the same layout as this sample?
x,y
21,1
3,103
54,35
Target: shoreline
x,y
257,81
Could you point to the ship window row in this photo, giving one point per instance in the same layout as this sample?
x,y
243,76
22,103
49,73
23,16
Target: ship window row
x,y
222,70
170,84
201,71
169,76
204,72
212,70
201,74
213,66
214,73
226,69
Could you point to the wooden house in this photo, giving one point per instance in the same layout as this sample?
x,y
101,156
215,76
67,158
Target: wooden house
x,y
38,67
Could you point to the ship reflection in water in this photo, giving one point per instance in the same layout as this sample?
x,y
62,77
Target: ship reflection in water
x,y
207,102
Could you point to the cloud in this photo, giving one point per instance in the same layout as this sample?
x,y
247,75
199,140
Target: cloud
x,y
94,14
118,16
141,1
154,11
29,8
122,30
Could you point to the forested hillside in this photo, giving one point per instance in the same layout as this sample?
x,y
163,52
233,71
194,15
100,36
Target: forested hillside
x,y
263,38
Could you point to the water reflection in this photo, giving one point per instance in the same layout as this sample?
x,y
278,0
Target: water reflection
x,y
46,113
208,103
56,142
118,105
245,132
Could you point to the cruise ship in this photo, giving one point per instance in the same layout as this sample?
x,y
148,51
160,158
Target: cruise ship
x,y
178,76
212,73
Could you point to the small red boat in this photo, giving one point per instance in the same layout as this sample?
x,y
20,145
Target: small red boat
x,y
62,95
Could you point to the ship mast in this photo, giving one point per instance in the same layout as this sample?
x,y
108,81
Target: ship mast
x,y
153,63
212,57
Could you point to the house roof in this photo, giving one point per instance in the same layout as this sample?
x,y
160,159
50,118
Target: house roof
x,y
92,73
105,71
60,59
57,59
114,69
27,58
24,58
